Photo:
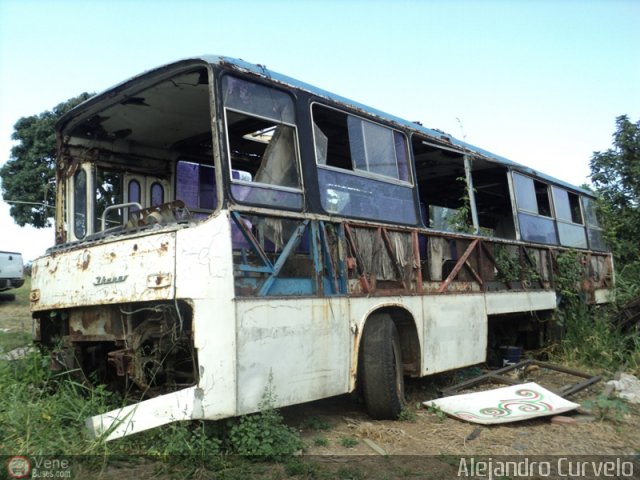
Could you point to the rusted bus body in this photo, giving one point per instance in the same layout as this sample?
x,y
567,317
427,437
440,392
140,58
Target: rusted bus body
x,y
220,227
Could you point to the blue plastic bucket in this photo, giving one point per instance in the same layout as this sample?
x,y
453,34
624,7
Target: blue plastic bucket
x,y
510,355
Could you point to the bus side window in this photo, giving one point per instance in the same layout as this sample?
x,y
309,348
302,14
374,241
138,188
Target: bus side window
x,y
534,210
363,168
262,142
80,204
571,229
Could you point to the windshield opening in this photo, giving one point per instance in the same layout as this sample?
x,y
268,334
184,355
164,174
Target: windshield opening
x,y
127,163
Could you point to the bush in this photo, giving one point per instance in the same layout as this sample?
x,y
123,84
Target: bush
x,y
264,434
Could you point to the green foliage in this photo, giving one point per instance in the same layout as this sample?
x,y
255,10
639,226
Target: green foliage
x,y
195,439
615,174
460,221
264,434
348,442
27,175
607,408
434,409
11,340
567,277
591,340
592,337
407,415
350,473
44,413
509,267
315,423
320,441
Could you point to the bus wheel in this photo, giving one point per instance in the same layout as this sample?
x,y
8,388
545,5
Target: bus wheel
x,y
381,364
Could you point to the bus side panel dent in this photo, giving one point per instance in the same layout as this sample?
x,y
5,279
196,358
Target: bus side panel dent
x,y
301,346
455,332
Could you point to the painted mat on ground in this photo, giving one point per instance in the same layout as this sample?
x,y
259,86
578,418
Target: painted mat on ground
x,y
502,405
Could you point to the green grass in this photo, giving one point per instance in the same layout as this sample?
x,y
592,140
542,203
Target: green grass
x,y
15,314
592,340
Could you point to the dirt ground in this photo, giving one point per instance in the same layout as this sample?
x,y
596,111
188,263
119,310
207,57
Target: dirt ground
x,y
424,432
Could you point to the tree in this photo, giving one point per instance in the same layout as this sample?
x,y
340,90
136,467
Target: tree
x,y
615,174
28,177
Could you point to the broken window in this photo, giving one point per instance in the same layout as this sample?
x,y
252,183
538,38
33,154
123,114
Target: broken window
x,y
569,217
534,210
263,146
108,193
80,204
442,187
364,170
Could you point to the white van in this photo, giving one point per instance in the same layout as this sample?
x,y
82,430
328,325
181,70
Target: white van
x,y
11,270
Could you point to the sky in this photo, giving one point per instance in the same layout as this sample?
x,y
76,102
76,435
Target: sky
x,y
538,82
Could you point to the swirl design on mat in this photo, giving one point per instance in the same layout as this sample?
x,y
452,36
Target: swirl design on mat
x,y
530,401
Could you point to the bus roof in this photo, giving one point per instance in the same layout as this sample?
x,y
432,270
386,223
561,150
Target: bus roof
x,y
261,71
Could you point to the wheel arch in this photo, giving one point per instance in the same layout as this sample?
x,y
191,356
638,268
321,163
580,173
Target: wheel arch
x,y
406,325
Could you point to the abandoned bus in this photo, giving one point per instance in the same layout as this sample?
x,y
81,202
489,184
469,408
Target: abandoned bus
x,y
222,229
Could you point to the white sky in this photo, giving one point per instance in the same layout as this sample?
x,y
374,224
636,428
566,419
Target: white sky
x,y
539,82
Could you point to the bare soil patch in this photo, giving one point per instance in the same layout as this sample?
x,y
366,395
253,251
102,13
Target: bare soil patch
x,y
430,433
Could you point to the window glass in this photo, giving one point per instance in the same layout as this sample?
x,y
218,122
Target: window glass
x,y
263,144
525,193
572,235
108,193
133,192
538,229
532,195
362,145
157,193
596,239
350,195
401,155
257,99
590,211
351,145
195,185
567,206
80,204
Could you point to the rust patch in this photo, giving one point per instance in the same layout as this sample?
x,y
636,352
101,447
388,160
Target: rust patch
x,y
85,261
164,247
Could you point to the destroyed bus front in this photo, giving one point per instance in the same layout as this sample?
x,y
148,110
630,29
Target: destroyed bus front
x,y
117,298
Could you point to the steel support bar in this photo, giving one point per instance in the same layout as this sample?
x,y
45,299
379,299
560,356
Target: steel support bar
x,y
461,262
253,241
291,245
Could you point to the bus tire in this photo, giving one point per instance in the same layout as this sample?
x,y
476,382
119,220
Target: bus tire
x,y
382,371
7,297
